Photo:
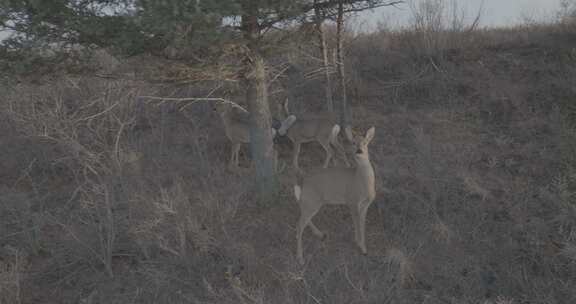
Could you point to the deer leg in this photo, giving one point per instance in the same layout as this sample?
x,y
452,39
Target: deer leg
x,y
316,231
363,210
231,163
307,212
329,153
238,155
234,157
355,216
238,147
275,159
295,156
334,160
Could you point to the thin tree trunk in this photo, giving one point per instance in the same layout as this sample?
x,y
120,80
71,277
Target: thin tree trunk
x,y
343,106
324,51
261,138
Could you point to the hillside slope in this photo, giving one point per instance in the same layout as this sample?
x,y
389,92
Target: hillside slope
x,y
108,198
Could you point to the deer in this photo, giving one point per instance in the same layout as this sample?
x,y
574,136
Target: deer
x,y
319,128
338,186
235,120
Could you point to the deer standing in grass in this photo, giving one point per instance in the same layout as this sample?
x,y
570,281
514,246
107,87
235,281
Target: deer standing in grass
x,y
322,129
237,127
339,186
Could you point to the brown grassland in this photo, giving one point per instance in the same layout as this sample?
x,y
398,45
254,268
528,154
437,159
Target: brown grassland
x,y
109,198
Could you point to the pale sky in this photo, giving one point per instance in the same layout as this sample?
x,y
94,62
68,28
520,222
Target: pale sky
x,y
495,13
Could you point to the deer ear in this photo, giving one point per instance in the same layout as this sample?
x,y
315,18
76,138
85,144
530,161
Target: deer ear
x,y
370,134
285,106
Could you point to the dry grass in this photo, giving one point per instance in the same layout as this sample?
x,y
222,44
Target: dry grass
x,y
11,271
108,199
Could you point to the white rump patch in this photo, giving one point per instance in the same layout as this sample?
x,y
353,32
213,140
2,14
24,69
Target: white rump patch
x,y
335,132
297,192
286,124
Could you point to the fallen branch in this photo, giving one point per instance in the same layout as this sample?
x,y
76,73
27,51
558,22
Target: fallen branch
x,y
194,100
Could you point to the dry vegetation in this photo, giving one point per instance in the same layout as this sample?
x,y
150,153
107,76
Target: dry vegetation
x,y
108,198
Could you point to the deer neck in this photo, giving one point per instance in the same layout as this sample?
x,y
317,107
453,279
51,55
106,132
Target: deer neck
x,y
365,171
365,179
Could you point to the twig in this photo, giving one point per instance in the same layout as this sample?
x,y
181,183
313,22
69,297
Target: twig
x,y
184,99
26,172
7,236
194,99
214,90
117,145
83,244
100,113
279,73
393,84
307,288
435,66
347,276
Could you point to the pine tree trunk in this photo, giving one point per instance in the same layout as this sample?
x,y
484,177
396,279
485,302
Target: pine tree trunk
x,y
261,138
324,51
343,105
